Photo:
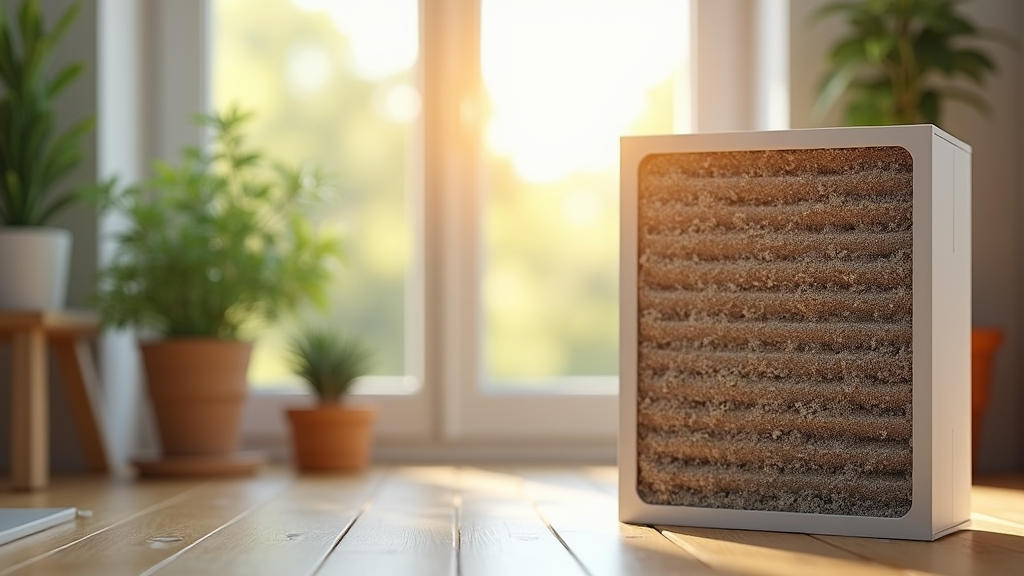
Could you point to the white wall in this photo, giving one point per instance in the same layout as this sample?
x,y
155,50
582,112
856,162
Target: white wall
x,y
997,209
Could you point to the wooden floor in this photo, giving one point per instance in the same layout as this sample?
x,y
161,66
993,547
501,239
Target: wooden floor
x,y
461,521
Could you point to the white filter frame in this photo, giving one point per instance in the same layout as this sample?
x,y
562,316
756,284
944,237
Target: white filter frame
x,y
941,318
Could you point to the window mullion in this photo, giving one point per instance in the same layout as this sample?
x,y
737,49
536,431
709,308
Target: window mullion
x,y
451,139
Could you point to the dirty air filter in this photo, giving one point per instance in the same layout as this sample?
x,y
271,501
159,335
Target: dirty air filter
x,y
795,331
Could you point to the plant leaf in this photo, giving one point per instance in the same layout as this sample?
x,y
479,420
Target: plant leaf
x,y
833,7
973,64
969,97
64,78
834,85
928,107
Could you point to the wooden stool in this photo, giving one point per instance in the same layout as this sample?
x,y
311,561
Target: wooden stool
x,y
68,332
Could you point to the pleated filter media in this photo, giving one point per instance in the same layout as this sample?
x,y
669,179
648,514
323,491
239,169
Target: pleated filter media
x,y
795,331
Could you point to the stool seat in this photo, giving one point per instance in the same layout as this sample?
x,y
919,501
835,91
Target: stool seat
x,y
68,333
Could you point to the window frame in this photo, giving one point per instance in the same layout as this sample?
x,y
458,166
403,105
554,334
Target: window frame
x,y
451,414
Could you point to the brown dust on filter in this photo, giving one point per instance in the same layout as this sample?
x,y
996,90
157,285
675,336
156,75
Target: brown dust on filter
x,y
774,368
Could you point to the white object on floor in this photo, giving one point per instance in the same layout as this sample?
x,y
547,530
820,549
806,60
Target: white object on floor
x,y
20,522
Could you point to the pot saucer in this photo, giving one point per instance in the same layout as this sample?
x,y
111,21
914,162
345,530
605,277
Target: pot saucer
x,y
237,464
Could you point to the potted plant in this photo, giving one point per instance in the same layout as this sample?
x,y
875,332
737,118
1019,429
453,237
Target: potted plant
x,y
212,249
34,158
332,435
887,65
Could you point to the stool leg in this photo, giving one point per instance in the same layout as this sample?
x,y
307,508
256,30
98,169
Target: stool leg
x,y
30,442
78,371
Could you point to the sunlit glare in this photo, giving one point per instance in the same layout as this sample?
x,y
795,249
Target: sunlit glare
x,y
309,68
399,103
582,207
384,33
567,78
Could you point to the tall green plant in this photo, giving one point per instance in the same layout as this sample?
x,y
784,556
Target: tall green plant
x,y
33,156
215,244
889,64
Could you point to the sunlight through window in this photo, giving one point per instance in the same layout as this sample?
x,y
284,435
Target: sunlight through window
x,y
564,81
334,83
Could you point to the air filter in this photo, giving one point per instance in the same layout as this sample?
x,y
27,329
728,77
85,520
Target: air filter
x,y
795,331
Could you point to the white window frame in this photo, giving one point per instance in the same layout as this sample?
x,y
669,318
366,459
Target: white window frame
x,y
451,417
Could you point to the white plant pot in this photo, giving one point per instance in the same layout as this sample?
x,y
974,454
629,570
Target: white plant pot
x,y
34,263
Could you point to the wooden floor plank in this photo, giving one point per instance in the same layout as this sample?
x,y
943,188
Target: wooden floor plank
x,y
1004,503
965,553
586,519
604,477
104,503
750,553
409,528
445,521
501,532
135,546
985,523
290,535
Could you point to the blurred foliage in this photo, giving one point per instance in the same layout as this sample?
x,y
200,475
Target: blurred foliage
x,y
33,158
216,244
888,63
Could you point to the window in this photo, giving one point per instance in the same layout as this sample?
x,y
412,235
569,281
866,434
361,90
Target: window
x,y
334,84
556,106
478,177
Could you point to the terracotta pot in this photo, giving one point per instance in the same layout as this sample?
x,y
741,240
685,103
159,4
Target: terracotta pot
x,y
331,438
984,344
198,388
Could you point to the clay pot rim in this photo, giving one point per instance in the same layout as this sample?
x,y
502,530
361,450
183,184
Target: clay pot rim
x,y
340,407
987,338
164,340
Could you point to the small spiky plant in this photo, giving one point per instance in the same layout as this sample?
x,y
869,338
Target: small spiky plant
x,y
328,362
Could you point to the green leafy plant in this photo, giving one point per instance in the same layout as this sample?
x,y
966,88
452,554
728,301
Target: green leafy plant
x,y
33,156
888,64
216,245
328,362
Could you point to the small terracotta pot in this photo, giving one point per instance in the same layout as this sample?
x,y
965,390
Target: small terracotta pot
x,y
984,344
198,389
330,438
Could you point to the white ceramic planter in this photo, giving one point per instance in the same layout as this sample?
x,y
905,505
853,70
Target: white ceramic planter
x,y
34,263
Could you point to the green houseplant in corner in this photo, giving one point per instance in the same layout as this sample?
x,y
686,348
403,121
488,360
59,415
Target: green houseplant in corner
x,y
213,249
902,60
34,158
332,435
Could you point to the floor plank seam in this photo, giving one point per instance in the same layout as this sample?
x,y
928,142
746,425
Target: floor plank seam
x,y
367,504
166,561
457,532
155,507
678,543
864,557
690,549
524,493
560,539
